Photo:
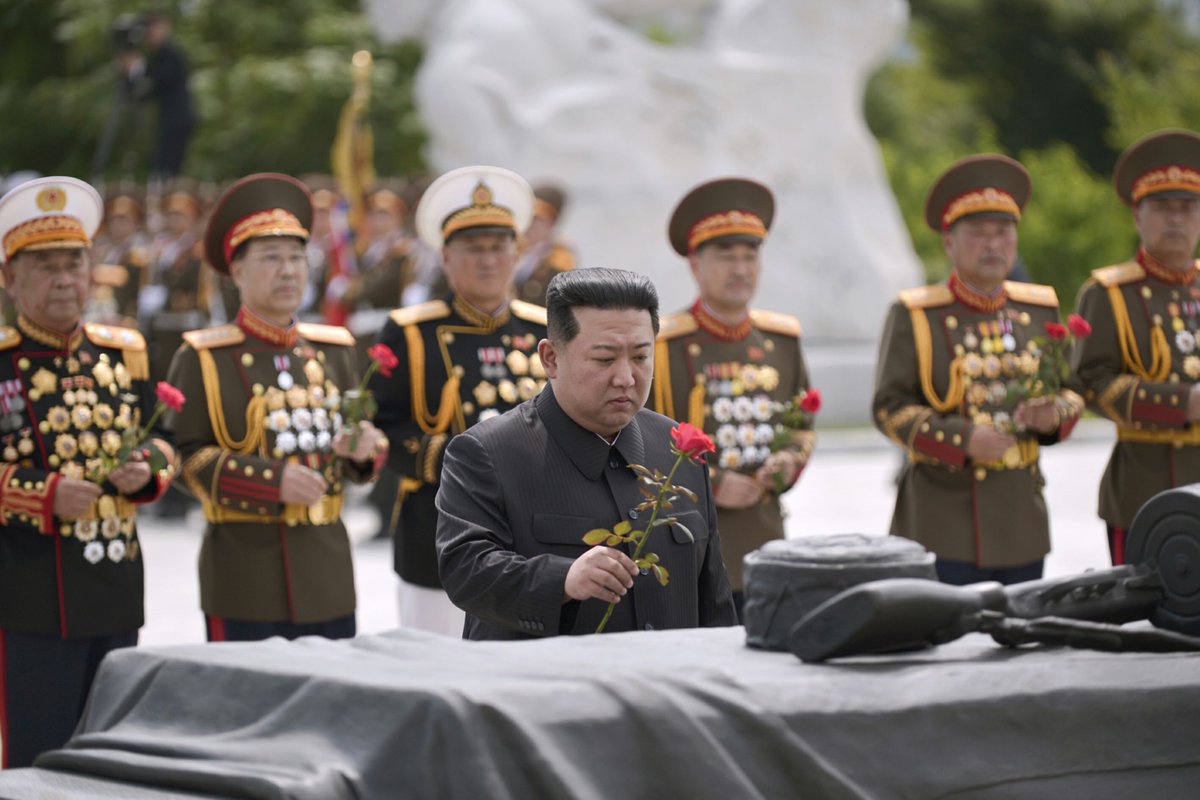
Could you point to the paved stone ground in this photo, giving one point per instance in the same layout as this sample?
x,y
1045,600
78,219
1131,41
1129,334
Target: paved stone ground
x,y
846,489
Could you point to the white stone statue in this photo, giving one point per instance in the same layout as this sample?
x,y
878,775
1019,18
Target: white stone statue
x,y
769,89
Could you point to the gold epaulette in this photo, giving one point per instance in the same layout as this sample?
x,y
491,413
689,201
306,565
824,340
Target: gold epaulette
x,y
110,275
9,337
411,315
775,322
210,338
1033,293
561,258
938,294
1118,274
528,311
113,336
672,326
138,257
325,334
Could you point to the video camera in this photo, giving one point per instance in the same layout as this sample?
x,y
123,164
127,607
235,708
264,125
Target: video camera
x,y
1160,582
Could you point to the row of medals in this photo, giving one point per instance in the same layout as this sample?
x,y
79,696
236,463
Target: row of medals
x,y
990,355
498,369
1186,338
303,418
742,411
82,425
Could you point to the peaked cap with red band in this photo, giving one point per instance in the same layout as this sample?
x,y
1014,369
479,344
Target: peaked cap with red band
x,y
986,184
726,209
1165,163
264,204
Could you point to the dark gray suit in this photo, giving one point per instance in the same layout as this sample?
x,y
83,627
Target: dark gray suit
x,y
518,493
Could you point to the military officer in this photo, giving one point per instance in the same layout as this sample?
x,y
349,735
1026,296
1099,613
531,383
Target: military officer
x,y
729,369
1140,367
384,267
463,358
971,490
262,437
70,562
543,253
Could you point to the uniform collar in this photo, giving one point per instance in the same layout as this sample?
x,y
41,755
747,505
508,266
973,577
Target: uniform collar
x,y
975,299
480,319
587,451
270,333
52,339
722,330
1164,273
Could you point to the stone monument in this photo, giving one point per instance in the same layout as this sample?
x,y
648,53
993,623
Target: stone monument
x,y
628,104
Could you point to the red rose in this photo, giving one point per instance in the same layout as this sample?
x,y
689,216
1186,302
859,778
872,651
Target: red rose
x,y
811,401
691,441
382,355
1079,326
1056,330
169,396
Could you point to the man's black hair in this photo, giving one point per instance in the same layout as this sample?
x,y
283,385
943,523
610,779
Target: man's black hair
x,y
595,287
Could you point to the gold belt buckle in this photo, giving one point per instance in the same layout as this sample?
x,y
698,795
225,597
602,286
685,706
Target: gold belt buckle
x,y
321,512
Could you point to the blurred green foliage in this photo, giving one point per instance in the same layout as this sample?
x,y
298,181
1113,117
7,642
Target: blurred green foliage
x,y
268,78
1061,85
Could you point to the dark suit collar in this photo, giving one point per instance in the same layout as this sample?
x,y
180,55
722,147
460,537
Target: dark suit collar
x,y
587,451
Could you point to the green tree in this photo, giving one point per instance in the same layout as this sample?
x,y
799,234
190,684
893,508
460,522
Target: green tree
x,y
269,80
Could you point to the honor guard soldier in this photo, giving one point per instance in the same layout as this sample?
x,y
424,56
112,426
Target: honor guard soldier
x,y
971,490
729,369
119,258
262,439
464,358
1140,367
70,563
543,254
175,299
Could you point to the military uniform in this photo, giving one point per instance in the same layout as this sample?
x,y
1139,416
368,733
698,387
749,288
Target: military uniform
x,y
458,366
1141,360
262,397
946,357
175,299
119,268
732,381
70,588
384,269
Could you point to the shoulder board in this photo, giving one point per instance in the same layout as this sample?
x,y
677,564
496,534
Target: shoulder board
x,y
1118,274
528,311
938,294
680,323
114,336
561,258
220,336
326,334
9,337
1033,293
774,322
110,275
411,315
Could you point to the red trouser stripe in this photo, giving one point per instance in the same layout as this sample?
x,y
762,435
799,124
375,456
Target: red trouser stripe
x,y
1117,545
216,629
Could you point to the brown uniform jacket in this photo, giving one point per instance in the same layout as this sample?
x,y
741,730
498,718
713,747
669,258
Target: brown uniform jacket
x,y
550,258
730,381
1137,368
63,399
259,397
990,515
457,366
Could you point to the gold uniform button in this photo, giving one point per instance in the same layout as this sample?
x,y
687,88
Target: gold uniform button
x,y
980,474
23,363
248,471
247,360
956,440
940,436
268,474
